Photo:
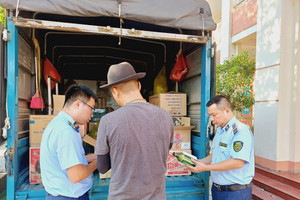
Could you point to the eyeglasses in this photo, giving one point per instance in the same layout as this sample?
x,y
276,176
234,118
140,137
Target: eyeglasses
x,y
88,105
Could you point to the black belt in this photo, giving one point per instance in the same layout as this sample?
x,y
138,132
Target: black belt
x,y
232,187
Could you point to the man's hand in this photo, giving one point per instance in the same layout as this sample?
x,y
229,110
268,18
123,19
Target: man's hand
x,y
90,157
200,167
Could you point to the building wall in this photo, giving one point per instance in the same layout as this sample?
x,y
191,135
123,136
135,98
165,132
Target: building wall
x,y
276,110
217,37
244,16
289,98
226,50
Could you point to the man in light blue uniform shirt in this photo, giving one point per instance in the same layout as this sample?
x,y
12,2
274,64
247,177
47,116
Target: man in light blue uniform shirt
x,y
232,160
66,171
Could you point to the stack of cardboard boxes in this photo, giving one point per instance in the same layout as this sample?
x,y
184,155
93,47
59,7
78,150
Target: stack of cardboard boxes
x,y
37,125
175,104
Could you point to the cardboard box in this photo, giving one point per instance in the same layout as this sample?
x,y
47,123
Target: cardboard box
x,y
174,103
181,121
37,125
88,139
182,137
175,168
58,103
34,165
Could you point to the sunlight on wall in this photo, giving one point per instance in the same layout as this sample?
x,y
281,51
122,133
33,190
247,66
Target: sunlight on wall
x,y
268,33
266,84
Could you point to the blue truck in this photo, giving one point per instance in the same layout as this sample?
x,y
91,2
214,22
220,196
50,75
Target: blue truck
x,y
82,39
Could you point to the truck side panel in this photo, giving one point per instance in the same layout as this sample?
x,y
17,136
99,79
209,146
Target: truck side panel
x,y
12,104
19,87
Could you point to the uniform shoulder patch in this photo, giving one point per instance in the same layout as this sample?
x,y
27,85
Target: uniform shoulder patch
x,y
227,127
74,125
234,127
237,146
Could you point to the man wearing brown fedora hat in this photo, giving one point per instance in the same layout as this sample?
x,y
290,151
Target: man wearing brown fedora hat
x,y
134,140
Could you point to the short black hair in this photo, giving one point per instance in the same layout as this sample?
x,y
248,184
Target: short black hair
x,y
220,100
78,91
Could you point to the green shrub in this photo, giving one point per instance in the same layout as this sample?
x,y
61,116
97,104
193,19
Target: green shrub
x,y
235,79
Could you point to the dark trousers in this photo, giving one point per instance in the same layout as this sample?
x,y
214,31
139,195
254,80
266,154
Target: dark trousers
x,y
244,194
85,196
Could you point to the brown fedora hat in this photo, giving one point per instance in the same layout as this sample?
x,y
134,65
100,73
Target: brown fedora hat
x,y
121,73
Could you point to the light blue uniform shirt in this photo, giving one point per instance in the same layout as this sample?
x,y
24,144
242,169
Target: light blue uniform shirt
x,y
235,140
61,148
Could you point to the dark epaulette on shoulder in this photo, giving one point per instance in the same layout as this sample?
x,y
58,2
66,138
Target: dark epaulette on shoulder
x,y
234,128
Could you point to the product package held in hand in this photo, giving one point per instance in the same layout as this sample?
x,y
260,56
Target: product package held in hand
x,y
185,158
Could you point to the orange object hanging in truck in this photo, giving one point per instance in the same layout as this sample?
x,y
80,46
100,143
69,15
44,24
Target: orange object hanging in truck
x,y
180,68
